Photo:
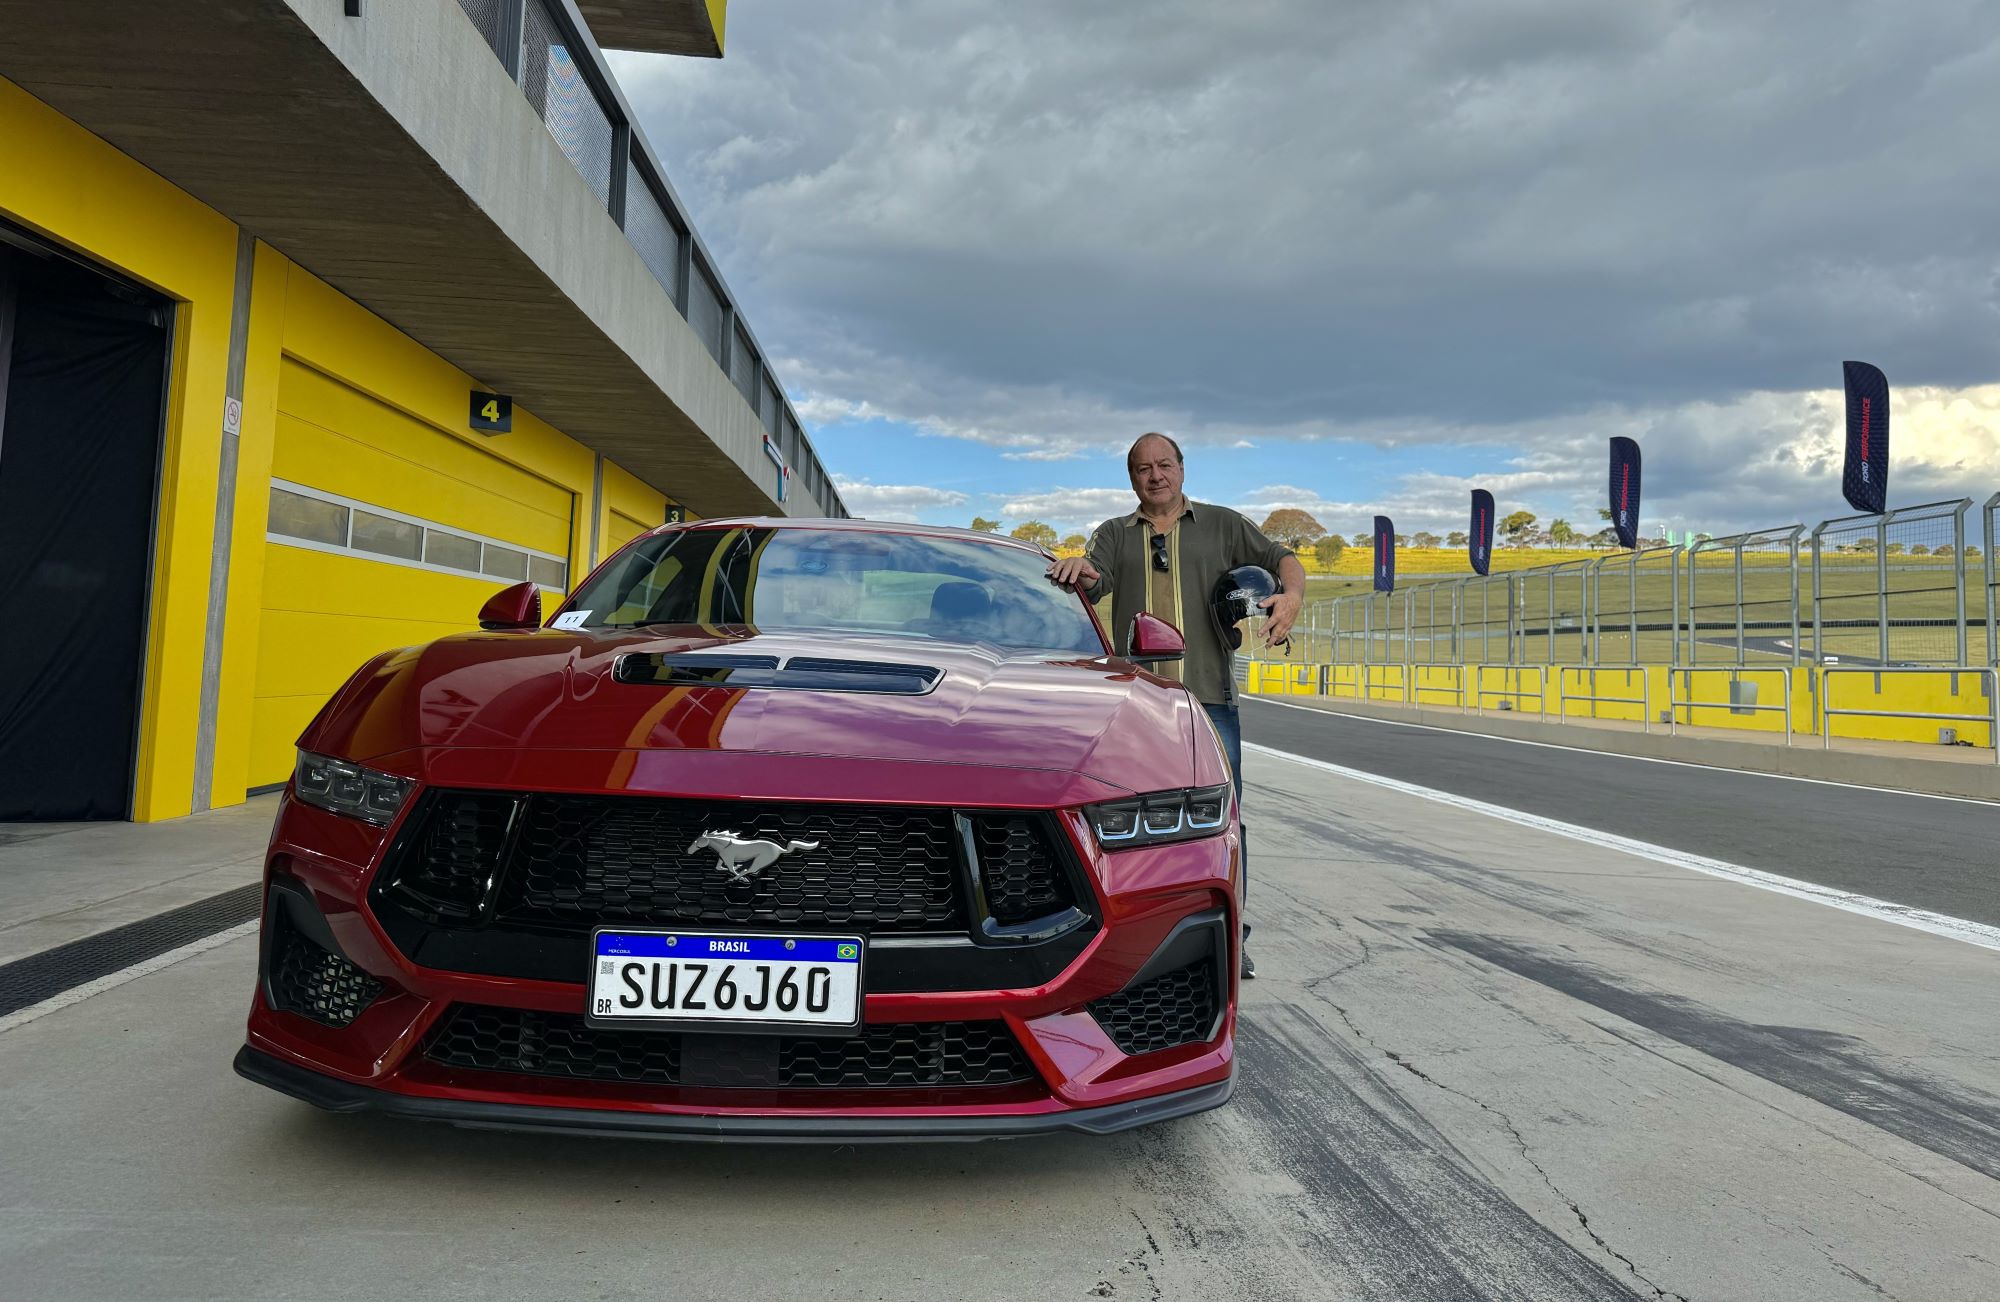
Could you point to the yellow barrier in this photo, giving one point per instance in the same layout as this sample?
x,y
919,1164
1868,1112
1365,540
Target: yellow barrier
x,y
1906,704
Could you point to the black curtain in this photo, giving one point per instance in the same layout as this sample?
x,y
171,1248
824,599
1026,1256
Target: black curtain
x,y
79,457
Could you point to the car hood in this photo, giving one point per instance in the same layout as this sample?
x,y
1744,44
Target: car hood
x,y
1102,718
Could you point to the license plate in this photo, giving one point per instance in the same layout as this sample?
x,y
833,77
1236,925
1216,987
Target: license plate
x,y
725,981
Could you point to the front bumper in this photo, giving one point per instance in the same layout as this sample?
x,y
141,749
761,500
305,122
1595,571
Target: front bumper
x,y
336,1095
372,1046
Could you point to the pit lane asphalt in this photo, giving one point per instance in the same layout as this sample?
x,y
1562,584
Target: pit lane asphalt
x,y
1483,1061
1923,851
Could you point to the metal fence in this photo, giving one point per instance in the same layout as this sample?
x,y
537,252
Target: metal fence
x,y
1636,607
1992,533
544,45
1889,590
1743,598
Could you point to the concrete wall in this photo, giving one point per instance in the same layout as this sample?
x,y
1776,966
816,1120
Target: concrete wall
x,y
429,68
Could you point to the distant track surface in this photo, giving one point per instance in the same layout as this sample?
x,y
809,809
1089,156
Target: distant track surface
x,y
1917,850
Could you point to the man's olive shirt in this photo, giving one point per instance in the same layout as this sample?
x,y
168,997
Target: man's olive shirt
x,y
1207,541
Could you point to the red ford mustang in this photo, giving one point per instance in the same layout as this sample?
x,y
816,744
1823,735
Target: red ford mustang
x,y
786,830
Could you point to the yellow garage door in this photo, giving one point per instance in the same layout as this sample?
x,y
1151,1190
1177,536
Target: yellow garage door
x,y
384,532
623,530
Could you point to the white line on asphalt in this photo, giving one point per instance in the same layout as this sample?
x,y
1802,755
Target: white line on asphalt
x,y
1619,755
1938,924
112,980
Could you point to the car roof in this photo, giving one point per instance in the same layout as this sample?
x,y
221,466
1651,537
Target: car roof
x,y
852,526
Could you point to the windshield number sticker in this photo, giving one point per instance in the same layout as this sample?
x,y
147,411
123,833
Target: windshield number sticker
x,y
571,619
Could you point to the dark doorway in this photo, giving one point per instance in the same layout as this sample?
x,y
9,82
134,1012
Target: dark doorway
x,y
83,363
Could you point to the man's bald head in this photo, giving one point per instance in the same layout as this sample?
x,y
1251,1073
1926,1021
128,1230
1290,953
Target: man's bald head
x,y
1154,462
1140,445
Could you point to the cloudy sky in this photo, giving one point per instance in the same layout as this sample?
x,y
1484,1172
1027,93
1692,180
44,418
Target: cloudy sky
x,y
1357,256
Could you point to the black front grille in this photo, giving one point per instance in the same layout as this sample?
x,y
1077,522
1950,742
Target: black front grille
x,y
913,1053
1173,1009
552,1044
455,852
314,982
897,1055
584,861
1018,867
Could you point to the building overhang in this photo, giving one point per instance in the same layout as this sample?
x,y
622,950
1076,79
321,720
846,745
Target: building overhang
x,y
395,158
691,27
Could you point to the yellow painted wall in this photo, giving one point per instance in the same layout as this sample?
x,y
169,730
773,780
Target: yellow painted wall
x,y
1554,691
631,507
70,186
335,398
366,413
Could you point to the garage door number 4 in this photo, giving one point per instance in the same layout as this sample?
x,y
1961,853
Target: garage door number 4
x,y
492,413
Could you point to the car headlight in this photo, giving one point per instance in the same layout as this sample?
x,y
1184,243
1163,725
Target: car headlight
x,y
351,789
1160,817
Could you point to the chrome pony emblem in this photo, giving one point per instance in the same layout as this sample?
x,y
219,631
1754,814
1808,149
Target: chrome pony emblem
x,y
743,859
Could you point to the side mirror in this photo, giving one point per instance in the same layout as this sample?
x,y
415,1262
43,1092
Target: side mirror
x,y
517,607
1154,640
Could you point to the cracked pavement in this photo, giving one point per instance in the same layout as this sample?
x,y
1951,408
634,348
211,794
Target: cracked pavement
x,y
1480,1062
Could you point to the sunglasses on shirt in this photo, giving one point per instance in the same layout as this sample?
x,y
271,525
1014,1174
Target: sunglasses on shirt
x,y
1159,541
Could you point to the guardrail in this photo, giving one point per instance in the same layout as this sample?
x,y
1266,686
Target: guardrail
x,y
1991,718
1644,700
1676,702
1414,692
1539,696
1368,684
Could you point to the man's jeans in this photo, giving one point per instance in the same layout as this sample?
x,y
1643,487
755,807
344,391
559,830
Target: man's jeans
x,y
1229,726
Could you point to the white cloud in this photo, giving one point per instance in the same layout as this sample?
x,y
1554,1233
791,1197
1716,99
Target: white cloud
x,y
1045,228
817,409
1282,214
869,501
1045,454
1764,459
1071,508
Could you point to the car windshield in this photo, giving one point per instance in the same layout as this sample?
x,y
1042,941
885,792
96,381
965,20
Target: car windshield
x,y
956,590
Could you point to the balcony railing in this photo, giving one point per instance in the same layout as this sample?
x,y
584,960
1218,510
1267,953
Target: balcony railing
x,y
546,48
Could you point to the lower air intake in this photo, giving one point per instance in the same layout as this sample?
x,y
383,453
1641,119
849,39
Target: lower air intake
x,y
1175,1008
914,1055
315,982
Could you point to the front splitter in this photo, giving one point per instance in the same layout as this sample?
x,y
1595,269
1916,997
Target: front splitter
x,y
336,1095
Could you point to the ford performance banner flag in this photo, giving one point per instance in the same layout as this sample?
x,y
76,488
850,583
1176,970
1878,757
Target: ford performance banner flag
x,y
1479,542
1625,491
1865,483
1385,555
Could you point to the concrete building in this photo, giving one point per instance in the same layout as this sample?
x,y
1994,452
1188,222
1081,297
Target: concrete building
x,y
271,272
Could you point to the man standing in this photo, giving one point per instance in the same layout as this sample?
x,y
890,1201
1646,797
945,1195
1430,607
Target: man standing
x,y
1164,558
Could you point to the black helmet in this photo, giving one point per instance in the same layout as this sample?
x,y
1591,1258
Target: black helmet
x,y
1239,594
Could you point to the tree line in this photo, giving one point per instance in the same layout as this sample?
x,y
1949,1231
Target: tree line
x,y
1298,530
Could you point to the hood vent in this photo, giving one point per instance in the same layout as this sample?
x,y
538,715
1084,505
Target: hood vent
x,y
801,673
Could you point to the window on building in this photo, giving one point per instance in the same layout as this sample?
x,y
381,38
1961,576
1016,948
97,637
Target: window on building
x,y
450,550
297,516
386,537
322,521
504,562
